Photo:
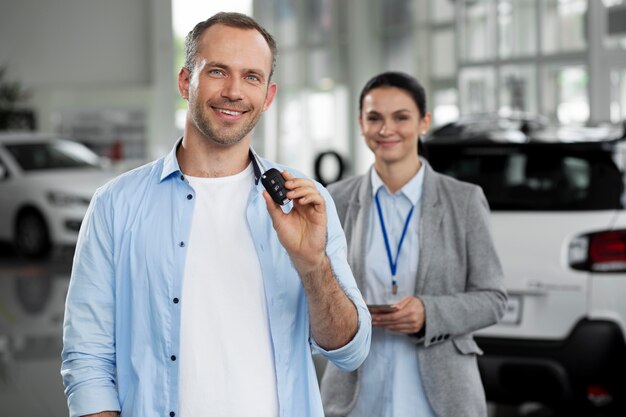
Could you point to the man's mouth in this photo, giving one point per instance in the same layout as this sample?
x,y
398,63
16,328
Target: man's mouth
x,y
230,112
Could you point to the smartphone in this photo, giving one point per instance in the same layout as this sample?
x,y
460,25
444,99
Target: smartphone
x,y
382,308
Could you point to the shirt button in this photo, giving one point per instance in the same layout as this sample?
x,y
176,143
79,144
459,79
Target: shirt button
x,y
173,357
172,414
182,178
175,300
181,244
189,196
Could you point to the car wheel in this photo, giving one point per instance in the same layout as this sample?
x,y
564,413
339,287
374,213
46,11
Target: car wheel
x,y
31,235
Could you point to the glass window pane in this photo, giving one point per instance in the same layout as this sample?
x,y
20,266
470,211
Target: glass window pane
x,y
533,178
400,53
477,90
445,106
518,89
320,20
289,69
564,25
292,134
566,99
618,95
615,36
477,35
441,11
518,28
443,62
287,22
395,14
312,122
328,120
324,66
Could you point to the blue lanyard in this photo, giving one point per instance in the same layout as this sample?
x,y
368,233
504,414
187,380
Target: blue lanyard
x,y
393,264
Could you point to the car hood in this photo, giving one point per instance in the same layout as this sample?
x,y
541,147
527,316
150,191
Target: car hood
x,y
81,182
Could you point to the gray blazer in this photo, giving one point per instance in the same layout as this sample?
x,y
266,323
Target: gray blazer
x,y
459,280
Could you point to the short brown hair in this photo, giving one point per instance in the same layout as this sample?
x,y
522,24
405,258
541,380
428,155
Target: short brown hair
x,y
231,19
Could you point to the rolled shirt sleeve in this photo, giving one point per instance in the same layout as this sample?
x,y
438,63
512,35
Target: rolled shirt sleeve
x,y
350,356
88,357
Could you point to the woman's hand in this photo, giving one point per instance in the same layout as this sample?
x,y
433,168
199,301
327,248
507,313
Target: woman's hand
x,y
408,318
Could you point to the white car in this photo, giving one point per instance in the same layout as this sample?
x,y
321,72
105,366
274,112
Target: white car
x,y
559,224
46,185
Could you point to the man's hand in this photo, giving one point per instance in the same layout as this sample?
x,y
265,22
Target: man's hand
x,y
302,231
104,414
409,317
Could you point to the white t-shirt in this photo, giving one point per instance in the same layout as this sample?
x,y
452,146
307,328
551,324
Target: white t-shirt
x,y
226,354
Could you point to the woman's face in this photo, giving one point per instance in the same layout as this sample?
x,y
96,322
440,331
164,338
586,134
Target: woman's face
x,y
391,124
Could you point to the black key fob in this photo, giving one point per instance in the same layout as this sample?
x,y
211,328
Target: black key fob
x,y
274,183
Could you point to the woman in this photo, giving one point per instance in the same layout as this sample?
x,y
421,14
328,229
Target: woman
x,y
420,242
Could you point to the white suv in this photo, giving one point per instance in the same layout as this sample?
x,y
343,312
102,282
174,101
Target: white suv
x,y
46,184
559,223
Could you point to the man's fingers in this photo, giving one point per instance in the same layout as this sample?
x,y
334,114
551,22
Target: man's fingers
x,y
274,209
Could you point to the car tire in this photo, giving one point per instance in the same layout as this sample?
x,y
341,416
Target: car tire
x,y
32,239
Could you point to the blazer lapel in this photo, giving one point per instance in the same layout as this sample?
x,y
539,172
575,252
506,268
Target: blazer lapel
x,y
430,223
358,216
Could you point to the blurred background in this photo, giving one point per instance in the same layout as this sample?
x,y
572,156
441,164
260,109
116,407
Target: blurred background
x,y
88,90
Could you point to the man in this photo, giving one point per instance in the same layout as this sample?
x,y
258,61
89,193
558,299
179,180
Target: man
x,y
192,292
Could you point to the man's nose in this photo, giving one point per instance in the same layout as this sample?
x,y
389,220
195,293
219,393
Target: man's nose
x,y
232,88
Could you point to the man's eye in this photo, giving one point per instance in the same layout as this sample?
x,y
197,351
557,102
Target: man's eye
x,y
252,78
215,72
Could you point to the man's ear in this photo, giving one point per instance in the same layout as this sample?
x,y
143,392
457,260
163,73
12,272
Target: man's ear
x,y
269,97
183,82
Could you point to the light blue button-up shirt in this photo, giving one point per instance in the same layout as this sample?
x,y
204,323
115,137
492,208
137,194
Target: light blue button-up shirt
x,y
122,318
391,385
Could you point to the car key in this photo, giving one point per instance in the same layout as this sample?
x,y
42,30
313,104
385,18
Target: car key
x,y
274,183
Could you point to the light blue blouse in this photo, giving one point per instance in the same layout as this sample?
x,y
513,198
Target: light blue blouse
x,y
391,385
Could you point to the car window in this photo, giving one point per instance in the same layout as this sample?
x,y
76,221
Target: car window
x,y
52,155
535,178
4,172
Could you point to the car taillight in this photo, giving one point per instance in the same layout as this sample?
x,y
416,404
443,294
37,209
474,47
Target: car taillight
x,y
599,252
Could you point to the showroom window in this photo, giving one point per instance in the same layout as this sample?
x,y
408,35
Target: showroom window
x,y
534,46
563,25
517,89
565,90
442,60
517,28
445,108
399,52
618,95
477,31
309,114
477,87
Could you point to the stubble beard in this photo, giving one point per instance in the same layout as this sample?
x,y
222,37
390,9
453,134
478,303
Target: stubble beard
x,y
221,136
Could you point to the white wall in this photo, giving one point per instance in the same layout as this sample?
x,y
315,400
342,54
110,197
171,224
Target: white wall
x,y
92,54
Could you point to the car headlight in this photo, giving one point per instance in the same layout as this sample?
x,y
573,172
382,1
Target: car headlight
x,y
64,199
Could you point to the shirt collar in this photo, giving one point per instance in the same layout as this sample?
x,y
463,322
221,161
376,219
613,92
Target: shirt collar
x,y
170,164
411,190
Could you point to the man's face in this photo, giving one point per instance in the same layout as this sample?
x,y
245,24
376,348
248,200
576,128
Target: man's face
x,y
229,87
